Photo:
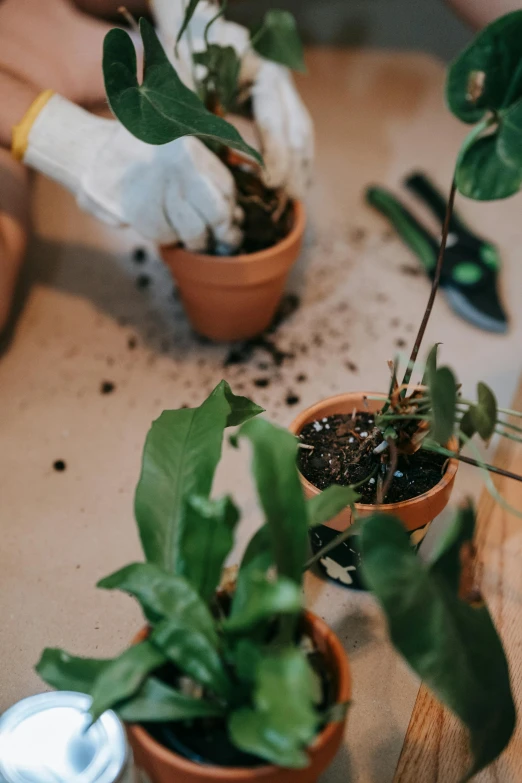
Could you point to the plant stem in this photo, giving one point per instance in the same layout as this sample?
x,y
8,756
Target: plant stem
x,y
470,461
337,541
392,467
508,412
434,286
209,24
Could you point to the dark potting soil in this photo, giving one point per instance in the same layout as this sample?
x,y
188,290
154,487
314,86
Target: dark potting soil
x,y
339,456
268,213
206,740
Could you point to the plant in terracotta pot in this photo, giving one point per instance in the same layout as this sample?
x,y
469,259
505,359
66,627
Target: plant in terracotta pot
x,y
227,297
402,448
231,679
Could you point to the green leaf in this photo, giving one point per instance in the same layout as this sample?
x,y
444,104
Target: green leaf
x,y
157,703
445,561
223,67
262,599
68,673
452,646
180,457
431,365
189,13
124,676
483,174
329,503
443,393
162,108
246,656
251,732
509,146
466,424
285,720
193,653
162,596
277,39
206,540
280,494
484,414
496,54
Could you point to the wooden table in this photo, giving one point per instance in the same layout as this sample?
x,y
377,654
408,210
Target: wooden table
x,y
88,318
435,746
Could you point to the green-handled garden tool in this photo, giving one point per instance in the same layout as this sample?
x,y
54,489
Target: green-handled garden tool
x,y
471,264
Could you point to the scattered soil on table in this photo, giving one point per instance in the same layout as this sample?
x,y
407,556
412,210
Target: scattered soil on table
x,y
59,465
132,343
292,399
339,456
139,256
143,281
241,353
107,387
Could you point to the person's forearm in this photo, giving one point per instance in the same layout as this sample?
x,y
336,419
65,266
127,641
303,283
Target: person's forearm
x,y
479,13
108,9
16,97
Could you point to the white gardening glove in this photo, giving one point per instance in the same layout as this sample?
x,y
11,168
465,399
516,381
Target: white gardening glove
x,y
178,192
284,124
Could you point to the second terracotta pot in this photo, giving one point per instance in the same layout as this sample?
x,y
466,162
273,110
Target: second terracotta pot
x,y
235,297
164,766
416,514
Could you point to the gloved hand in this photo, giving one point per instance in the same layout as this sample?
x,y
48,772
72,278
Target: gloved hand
x,y
284,124
171,193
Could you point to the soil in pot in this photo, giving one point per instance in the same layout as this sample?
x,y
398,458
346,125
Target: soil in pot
x,y
206,741
342,453
268,212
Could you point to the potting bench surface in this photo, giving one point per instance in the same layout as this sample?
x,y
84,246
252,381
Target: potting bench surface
x,y
101,347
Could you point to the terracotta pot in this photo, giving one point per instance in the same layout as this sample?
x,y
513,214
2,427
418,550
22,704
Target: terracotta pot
x,y
164,766
235,297
416,514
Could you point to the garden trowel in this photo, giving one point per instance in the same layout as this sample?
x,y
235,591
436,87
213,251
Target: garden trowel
x,y
471,264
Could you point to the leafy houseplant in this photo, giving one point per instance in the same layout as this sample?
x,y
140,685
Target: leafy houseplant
x,y
397,446
236,298
230,673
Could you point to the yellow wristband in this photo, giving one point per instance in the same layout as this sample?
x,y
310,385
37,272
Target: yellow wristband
x,y
20,133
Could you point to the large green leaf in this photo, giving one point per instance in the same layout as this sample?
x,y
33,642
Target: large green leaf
x,y
190,10
262,599
509,145
206,539
157,702
193,653
284,720
69,673
277,39
124,676
446,559
162,596
483,174
180,457
484,413
162,108
443,393
329,503
494,60
280,494
451,645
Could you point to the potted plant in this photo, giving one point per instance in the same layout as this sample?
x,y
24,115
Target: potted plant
x,y
231,679
402,449
226,297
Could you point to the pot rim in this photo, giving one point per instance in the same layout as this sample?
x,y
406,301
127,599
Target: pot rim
x,y
298,423
260,255
344,692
